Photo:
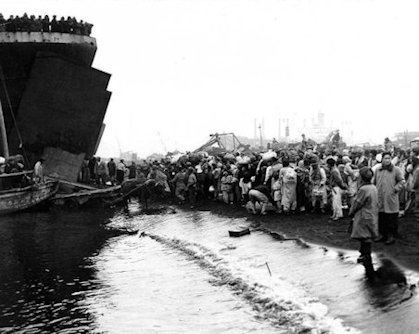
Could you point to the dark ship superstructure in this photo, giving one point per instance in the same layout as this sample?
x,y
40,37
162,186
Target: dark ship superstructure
x,y
53,101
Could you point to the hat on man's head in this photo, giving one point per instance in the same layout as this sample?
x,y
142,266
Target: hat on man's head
x,y
366,174
313,159
331,159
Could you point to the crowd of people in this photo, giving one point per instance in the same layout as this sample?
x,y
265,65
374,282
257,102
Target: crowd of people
x,y
45,24
375,187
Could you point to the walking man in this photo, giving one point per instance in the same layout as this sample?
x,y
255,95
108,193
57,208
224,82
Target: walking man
x,y
365,213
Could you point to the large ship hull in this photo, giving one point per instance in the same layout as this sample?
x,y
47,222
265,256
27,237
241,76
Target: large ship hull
x,y
57,99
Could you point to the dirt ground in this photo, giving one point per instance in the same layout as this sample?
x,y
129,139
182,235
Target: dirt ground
x,y
317,229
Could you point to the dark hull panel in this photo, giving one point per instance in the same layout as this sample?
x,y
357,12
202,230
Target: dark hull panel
x,y
67,103
18,52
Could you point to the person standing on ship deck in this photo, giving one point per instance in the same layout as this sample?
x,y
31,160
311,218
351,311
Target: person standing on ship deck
x,y
38,171
112,170
120,171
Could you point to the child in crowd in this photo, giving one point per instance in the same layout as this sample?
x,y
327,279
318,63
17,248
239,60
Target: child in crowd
x,y
365,214
276,190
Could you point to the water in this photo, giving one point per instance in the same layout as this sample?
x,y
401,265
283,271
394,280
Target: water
x,y
70,272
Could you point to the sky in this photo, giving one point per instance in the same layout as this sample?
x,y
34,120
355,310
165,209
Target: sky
x,y
183,69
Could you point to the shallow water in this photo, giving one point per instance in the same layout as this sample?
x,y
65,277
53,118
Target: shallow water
x,y
68,272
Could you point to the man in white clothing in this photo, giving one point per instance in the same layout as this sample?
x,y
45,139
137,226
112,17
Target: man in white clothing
x,y
38,171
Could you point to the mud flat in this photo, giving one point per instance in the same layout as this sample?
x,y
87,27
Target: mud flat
x,y
317,229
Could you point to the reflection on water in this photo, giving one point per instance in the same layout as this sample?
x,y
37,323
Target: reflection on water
x,y
70,272
42,270
166,292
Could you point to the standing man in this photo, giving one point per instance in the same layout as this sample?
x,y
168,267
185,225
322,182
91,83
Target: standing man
x,y
132,171
415,161
389,180
303,142
85,171
102,173
93,169
318,181
191,186
337,185
289,187
112,170
120,171
226,187
336,139
38,171
179,182
2,23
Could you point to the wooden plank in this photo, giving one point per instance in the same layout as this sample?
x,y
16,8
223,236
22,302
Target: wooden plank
x,y
17,174
87,193
78,185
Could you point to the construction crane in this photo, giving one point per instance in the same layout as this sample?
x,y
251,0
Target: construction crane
x,y
217,138
162,142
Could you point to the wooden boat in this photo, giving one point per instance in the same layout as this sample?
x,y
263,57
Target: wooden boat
x,y
239,233
86,196
17,190
18,199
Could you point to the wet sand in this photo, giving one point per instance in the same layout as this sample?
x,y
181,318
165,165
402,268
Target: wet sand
x,y
317,229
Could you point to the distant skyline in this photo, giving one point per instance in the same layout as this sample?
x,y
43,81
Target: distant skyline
x,y
183,69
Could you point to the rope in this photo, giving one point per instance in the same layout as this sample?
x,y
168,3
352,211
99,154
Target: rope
x,y
2,78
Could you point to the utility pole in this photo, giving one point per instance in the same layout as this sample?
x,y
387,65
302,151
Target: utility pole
x,y
260,133
263,127
279,128
254,130
3,134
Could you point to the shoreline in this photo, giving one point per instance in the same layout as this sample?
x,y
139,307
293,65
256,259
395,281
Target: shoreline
x,y
315,228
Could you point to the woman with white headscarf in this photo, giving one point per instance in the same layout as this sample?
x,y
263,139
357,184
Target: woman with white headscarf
x,y
352,173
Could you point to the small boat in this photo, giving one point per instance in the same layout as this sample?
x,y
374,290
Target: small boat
x,y
239,233
17,189
21,198
86,197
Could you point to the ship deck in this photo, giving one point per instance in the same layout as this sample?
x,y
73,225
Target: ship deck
x,y
45,37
